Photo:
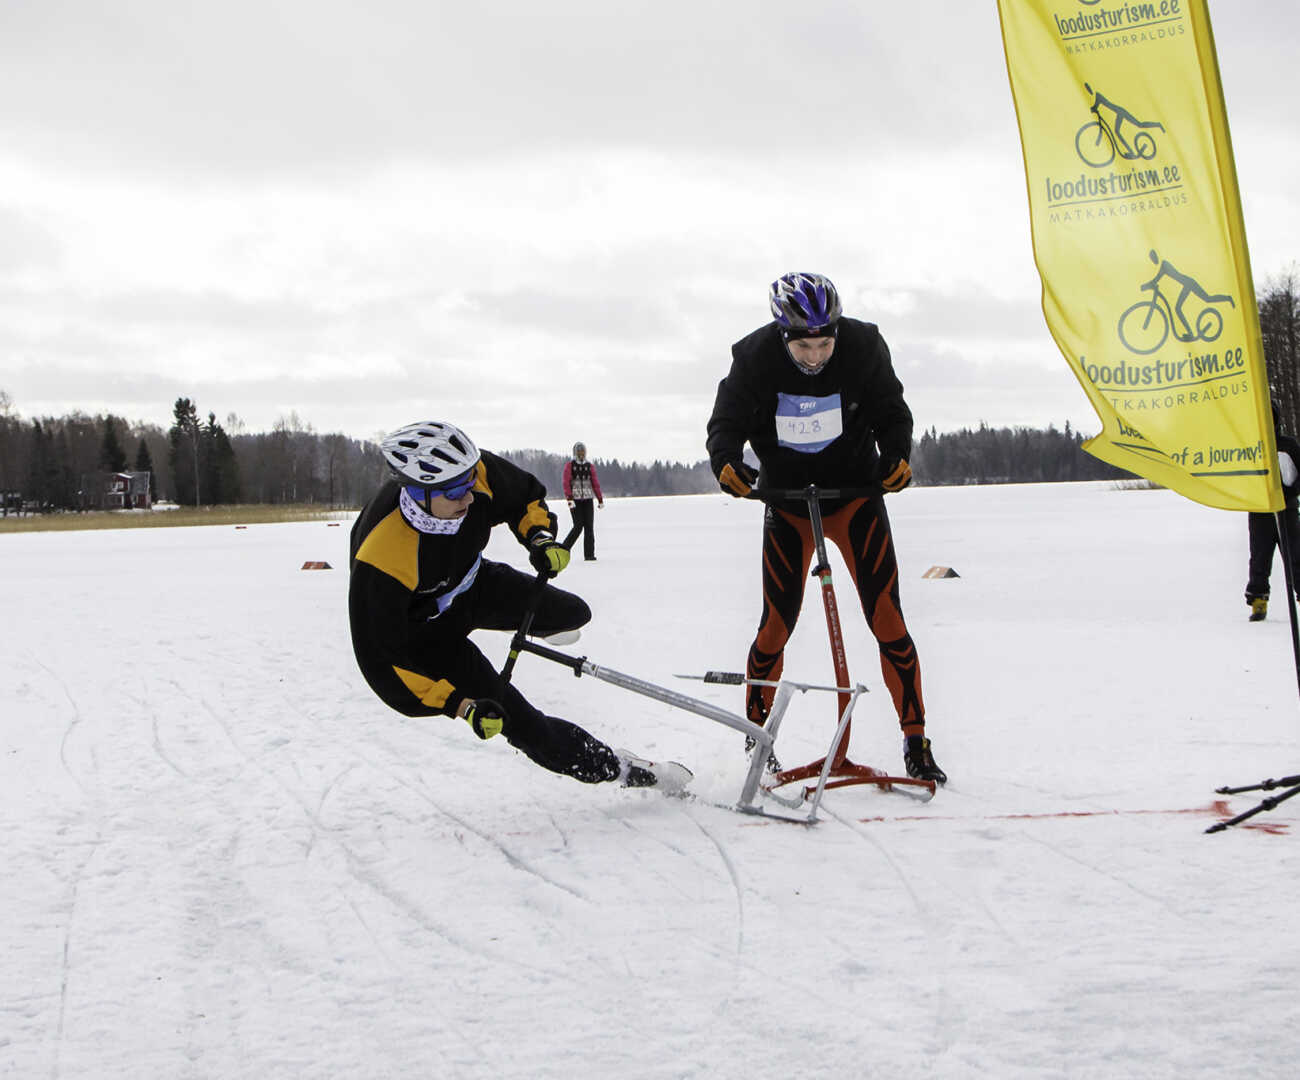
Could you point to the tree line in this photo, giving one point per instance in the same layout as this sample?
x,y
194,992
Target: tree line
x,y
619,478
46,463
54,463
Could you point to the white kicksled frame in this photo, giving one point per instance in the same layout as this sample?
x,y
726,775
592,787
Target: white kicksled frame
x,y
764,737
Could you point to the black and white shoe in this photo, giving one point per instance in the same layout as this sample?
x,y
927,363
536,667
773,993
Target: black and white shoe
x,y
670,777
919,760
772,766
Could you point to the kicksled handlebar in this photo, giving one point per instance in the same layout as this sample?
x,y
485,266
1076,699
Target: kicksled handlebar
x,y
812,493
526,623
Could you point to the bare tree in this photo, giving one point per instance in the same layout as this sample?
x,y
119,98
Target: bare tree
x,y
1279,323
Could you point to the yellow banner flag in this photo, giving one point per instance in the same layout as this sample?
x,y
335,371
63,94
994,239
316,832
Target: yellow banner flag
x,y
1139,239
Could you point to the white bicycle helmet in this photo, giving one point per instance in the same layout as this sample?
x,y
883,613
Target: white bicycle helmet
x,y
429,453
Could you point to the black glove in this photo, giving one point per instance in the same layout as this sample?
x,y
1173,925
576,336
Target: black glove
x,y
895,473
547,555
485,716
737,479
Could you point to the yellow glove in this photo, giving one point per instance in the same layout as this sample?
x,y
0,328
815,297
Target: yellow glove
x,y
548,556
485,716
737,479
895,474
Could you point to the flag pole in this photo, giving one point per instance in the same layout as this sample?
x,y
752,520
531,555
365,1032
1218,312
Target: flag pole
x,y
1284,543
1289,784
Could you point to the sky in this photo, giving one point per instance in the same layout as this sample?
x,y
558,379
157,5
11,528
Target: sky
x,y
544,223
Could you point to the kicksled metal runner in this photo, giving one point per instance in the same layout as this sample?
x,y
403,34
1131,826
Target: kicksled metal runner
x,y
832,771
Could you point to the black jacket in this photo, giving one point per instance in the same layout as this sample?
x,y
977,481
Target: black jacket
x,y
398,576
761,399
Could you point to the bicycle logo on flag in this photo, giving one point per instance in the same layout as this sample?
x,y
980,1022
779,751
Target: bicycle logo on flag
x,y
1100,141
1145,326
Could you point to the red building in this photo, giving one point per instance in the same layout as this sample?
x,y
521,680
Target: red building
x,y
116,491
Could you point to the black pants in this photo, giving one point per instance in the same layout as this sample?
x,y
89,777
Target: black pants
x,y
498,600
584,518
1263,540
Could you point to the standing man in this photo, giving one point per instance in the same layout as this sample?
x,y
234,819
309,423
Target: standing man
x,y
419,584
581,485
1262,527
814,394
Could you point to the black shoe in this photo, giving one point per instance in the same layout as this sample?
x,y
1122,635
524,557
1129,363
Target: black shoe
x,y
772,765
639,777
920,762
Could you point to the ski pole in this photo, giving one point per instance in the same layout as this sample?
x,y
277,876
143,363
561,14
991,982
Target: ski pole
x,y
1267,804
1263,785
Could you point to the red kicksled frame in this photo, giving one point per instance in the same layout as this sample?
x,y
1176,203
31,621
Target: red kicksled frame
x,y
835,770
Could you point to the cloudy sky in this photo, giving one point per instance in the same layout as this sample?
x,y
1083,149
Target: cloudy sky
x,y
543,221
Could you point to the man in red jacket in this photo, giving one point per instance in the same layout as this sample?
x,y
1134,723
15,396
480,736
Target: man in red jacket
x,y
581,485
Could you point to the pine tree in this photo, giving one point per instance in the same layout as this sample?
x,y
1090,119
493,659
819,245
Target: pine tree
x,y
184,436
144,463
221,470
112,458
38,468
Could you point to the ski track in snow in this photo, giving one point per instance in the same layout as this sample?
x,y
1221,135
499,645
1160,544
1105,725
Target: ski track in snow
x,y
874,842
394,895
73,723
734,874
226,859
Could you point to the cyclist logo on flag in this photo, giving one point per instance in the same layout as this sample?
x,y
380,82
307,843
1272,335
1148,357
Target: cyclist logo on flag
x,y
1099,141
1144,327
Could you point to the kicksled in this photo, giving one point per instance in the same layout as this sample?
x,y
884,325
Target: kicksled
x,y
834,770
809,798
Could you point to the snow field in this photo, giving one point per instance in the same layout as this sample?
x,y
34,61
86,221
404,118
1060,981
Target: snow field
x,y
227,859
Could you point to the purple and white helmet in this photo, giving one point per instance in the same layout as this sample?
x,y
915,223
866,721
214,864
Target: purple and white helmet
x,y
429,454
804,305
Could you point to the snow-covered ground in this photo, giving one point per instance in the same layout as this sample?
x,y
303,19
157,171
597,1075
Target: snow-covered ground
x,y
224,858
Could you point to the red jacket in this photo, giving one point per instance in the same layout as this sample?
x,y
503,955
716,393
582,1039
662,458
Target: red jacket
x,y
580,481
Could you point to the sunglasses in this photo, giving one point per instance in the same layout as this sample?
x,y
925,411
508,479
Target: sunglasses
x,y
454,489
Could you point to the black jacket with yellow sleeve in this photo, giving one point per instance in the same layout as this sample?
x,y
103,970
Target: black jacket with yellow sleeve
x,y
404,587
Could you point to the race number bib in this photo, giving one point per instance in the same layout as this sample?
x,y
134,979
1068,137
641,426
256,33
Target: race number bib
x,y
808,424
